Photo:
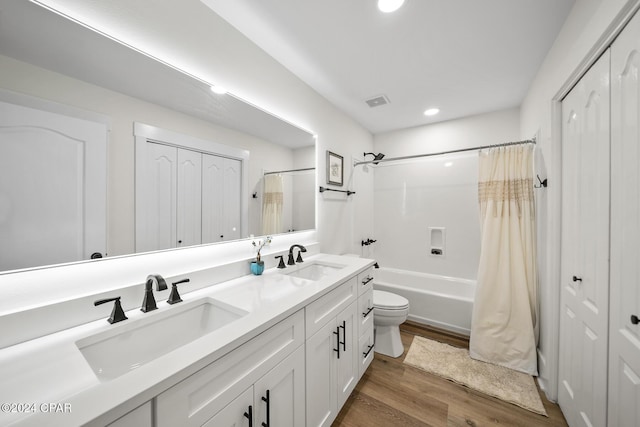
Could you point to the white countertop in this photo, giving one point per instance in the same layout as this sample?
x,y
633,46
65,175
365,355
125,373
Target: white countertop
x,y
49,382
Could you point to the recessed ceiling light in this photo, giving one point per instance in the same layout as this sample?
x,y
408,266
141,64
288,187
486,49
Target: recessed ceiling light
x,y
431,111
218,89
388,6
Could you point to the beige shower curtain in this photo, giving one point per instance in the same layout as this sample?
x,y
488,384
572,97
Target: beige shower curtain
x,y
504,326
272,205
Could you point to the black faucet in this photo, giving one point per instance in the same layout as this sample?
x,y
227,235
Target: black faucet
x,y
149,302
291,261
117,314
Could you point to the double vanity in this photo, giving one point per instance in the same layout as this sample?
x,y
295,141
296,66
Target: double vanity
x,y
282,349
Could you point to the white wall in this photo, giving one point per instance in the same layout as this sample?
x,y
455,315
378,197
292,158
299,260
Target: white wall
x,y
411,196
590,26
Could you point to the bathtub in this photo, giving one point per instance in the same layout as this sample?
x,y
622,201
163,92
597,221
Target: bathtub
x,y
441,301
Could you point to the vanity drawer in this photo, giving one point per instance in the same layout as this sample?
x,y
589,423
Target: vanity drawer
x,y
365,281
199,397
365,311
365,347
328,306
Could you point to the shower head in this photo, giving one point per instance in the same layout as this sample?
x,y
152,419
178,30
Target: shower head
x,y
378,156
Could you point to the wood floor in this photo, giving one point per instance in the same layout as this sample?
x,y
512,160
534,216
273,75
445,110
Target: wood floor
x,y
392,394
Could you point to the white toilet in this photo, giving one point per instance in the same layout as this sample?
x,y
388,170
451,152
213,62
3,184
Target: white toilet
x,y
389,311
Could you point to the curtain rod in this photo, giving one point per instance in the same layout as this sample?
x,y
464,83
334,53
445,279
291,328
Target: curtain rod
x,y
366,162
290,170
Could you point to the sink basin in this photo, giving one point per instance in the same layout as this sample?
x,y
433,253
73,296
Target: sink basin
x,y
314,271
116,352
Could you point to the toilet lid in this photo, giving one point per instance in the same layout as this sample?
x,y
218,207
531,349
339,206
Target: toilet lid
x,y
383,299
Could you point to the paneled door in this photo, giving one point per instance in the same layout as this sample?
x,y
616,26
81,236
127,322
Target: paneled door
x,y
221,202
584,298
624,356
189,196
156,206
53,187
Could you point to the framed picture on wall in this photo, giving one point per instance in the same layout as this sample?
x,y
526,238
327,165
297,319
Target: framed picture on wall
x,y
335,172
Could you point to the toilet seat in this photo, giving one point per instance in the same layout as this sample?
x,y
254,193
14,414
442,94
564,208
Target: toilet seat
x,y
389,301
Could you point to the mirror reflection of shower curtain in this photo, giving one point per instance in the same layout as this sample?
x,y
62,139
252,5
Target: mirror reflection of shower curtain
x,y
504,326
272,204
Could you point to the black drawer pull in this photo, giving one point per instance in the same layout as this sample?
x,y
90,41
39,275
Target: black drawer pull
x,y
366,353
367,280
250,415
577,279
367,312
267,400
634,319
344,335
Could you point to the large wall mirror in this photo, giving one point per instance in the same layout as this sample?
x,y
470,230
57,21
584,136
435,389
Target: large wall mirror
x,y
282,156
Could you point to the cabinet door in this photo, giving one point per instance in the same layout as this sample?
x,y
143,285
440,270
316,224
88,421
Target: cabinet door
x,y
624,339
347,363
321,385
189,198
235,414
280,395
582,393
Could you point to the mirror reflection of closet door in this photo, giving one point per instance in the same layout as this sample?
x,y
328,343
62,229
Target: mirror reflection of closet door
x,y
221,203
52,187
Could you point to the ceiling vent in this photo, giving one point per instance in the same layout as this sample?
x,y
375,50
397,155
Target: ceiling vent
x,y
377,101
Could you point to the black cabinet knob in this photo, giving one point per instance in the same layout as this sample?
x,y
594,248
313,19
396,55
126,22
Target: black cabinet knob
x,y
634,319
577,279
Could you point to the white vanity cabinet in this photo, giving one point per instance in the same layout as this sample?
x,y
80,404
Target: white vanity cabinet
x,y
331,352
220,393
277,399
365,320
139,417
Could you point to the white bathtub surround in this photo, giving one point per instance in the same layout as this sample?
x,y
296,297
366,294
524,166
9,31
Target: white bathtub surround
x,y
504,328
440,301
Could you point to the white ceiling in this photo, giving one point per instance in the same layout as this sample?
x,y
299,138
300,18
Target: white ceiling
x,y
464,56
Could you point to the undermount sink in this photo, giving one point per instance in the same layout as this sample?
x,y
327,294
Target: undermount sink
x,y
115,352
314,271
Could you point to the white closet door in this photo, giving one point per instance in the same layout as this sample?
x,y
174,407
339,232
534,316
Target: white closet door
x,y
156,204
189,197
52,187
624,356
584,300
232,201
212,197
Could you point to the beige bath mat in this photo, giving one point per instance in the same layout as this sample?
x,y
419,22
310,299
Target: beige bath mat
x,y
455,364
